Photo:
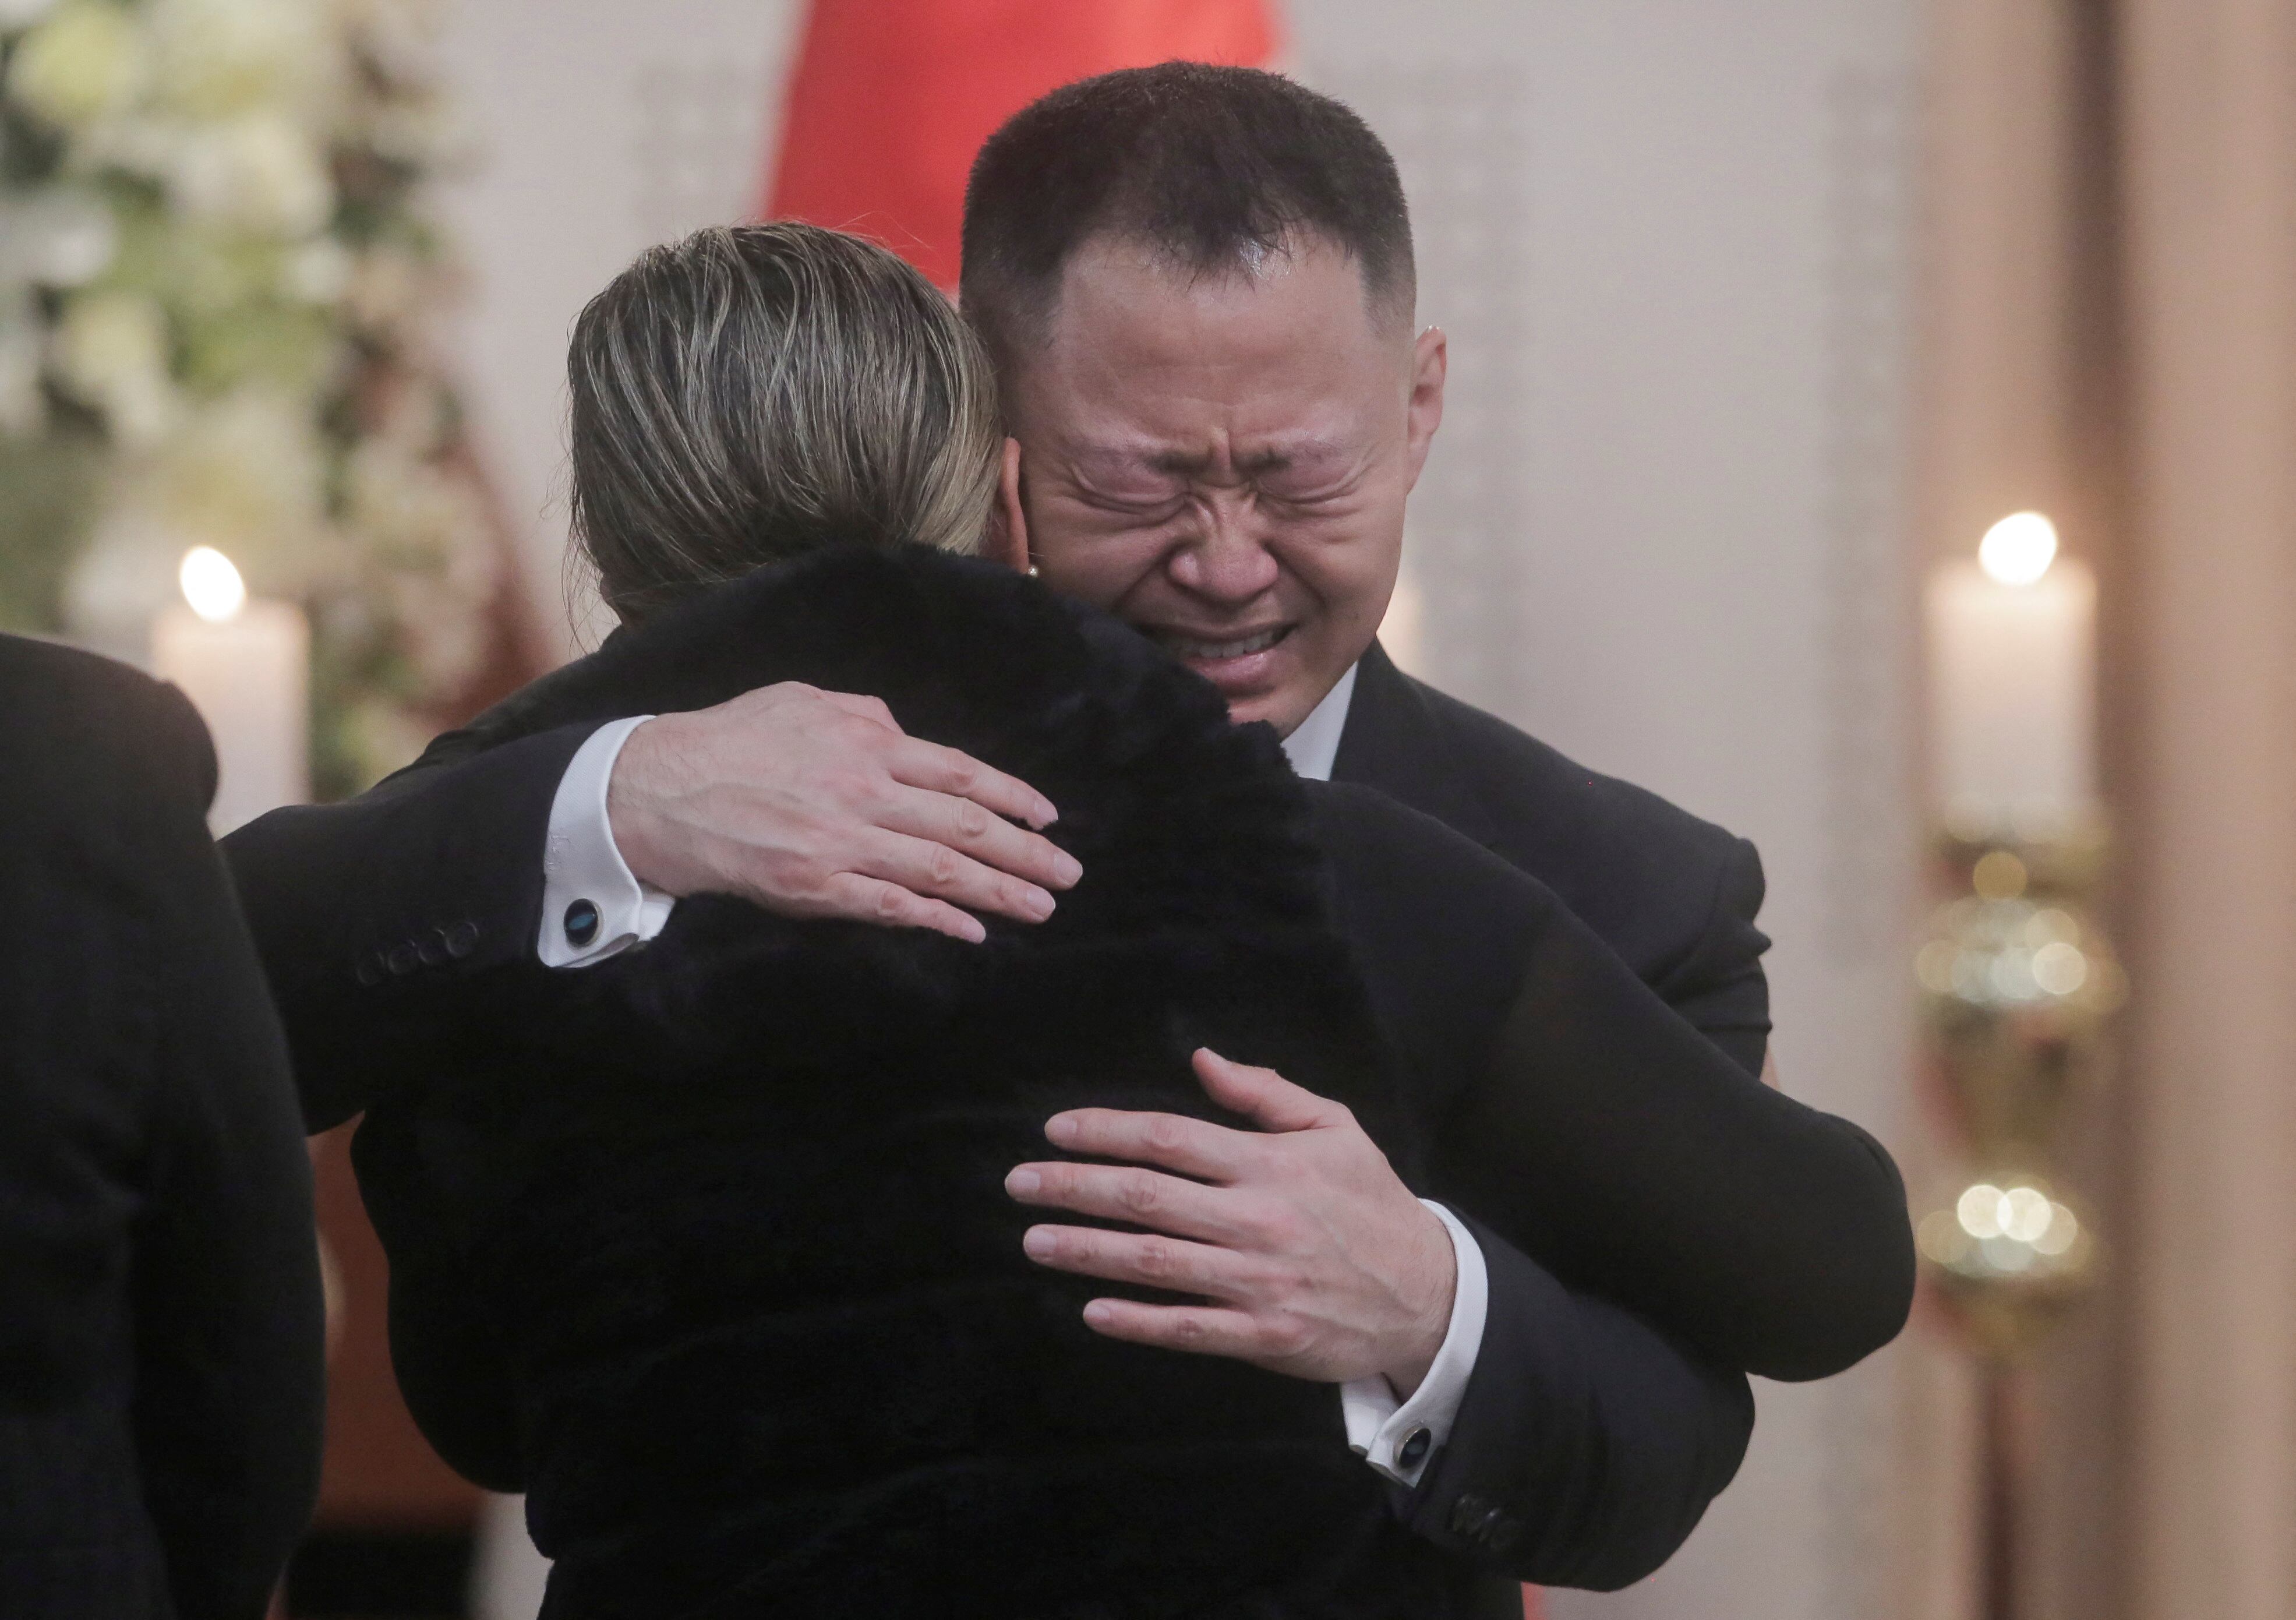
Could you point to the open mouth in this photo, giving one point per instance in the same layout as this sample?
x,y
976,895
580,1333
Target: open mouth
x,y
1196,650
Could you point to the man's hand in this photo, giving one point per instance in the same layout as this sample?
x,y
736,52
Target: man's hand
x,y
814,803
1315,1260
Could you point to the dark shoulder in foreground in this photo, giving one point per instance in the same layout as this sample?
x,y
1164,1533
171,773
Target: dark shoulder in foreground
x,y
92,730
1653,880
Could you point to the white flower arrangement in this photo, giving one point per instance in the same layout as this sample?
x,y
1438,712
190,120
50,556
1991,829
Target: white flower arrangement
x,y
215,285
86,62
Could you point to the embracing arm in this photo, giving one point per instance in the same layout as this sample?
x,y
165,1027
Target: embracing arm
x,y
1772,1235
1595,1128
364,912
371,914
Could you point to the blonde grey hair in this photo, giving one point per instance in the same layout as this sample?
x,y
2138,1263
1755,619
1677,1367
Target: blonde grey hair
x,y
752,393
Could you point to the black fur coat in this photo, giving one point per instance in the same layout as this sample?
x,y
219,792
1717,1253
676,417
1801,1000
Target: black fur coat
x,y
707,1247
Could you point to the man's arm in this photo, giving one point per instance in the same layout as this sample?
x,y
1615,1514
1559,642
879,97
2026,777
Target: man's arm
x,y
1573,1111
809,804
1583,1119
1614,1143
1586,1445
363,912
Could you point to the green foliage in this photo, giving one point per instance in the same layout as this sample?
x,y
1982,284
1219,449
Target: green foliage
x,y
48,488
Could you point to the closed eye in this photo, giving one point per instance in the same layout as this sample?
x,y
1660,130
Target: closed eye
x,y
1136,509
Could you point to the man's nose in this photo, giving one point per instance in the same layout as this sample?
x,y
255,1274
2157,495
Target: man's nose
x,y
1227,559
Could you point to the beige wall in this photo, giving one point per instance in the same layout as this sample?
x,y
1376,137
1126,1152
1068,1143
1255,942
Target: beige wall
x,y
2211,130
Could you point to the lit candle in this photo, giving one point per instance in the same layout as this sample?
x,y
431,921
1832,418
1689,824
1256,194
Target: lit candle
x,y
2013,642
246,667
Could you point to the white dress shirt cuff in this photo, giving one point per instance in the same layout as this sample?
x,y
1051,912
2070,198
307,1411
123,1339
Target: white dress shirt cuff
x,y
1401,1438
592,907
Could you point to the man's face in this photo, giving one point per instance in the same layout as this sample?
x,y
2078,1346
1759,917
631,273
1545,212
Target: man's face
x,y
1222,461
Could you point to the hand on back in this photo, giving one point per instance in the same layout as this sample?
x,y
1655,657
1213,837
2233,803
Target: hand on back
x,y
1308,1255
815,804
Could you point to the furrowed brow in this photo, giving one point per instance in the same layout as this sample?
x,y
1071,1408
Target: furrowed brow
x,y
1291,453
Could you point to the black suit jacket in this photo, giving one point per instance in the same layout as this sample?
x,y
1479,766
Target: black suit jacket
x,y
1674,896
161,1337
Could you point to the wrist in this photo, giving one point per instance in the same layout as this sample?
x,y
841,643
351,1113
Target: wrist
x,y
630,794
1435,1269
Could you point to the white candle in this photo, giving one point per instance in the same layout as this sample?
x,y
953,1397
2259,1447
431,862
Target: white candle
x,y
246,667
2013,644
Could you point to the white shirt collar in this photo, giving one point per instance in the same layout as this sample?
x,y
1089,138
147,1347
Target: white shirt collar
x,y
1315,744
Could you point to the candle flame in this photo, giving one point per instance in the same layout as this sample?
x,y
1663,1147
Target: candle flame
x,y
211,585
2017,549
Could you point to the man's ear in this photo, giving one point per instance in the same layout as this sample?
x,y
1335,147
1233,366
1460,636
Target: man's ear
x,y
1430,359
1008,524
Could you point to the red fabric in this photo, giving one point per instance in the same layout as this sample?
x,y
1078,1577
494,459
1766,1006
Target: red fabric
x,y
891,98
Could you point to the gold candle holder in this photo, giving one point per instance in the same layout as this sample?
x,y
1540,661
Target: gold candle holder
x,y
2019,983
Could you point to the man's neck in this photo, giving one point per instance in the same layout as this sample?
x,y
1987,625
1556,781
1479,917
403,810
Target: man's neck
x,y
1315,742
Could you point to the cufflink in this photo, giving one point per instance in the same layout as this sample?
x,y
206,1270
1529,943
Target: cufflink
x,y
1413,1451
581,923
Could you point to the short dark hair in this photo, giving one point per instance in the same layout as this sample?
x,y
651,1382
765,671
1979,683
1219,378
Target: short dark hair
x,y
1212,166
